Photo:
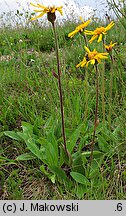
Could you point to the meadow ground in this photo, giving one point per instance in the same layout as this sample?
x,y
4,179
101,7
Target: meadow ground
x,y
29,93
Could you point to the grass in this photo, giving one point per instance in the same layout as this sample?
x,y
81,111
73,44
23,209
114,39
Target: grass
x,y
29,92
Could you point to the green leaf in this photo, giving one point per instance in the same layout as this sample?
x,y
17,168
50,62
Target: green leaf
x,y
73,139
63,157
51,154
25,157
30,142
32,146
48,124
80,190
1,150
53,178
1,134
103,144
13,135
52,143
50,176
7,163
78,177
96,154
6,159
78,163
60,174
95,169
42,168
27,127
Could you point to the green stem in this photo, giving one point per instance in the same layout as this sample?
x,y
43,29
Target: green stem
x,y
96,114
86,94
86,83
60,90
111,87
103,88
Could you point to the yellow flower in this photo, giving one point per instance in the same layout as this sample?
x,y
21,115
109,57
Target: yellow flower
x,y
99,32
110,46
92,57
43,10
79,28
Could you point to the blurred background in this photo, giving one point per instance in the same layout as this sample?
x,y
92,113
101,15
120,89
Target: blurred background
x,y
72,9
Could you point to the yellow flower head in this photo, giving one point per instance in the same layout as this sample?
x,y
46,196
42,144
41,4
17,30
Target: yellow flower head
x,y
43,10
92,57
99,32
79,28
110,46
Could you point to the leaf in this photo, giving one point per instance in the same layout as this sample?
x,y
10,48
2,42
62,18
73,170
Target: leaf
x,y
63,157
52,141
13,135
58,130
51,156
50,176
1,134
95,169
27,127
42,168
53,178
96,154
103,144
83,140
1,150
51,148
7,163
78,177
47,151
6,159
32,146
60,174
73,139
80,190
78,163
26,156
48,123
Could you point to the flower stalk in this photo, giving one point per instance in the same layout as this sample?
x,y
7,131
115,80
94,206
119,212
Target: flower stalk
x,y
96,120
110,92
86,94
60,91
103,86
109,50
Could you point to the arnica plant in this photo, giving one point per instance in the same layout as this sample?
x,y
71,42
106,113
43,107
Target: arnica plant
x,y
77,142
